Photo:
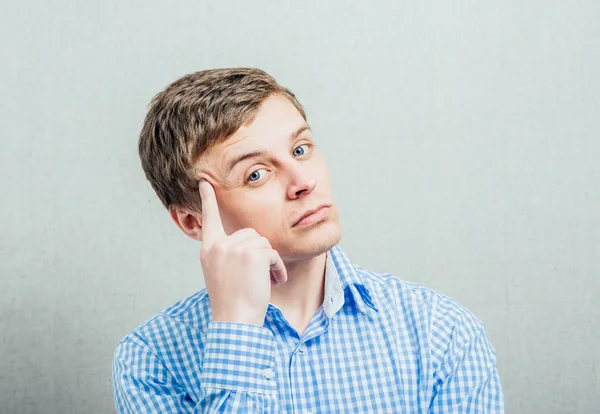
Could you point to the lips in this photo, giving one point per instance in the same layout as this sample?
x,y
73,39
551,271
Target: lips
x,y
309,212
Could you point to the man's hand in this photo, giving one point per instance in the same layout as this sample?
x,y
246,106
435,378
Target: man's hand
x,y
238,269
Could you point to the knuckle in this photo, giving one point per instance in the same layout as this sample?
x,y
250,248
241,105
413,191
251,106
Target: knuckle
x,y
252,255
250,231
238,250
249,253
245,232
219,247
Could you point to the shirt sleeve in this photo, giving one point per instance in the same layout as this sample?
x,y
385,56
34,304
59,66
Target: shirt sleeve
x,y
238,375
467,381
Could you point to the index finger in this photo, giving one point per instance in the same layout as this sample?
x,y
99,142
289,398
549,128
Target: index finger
x,y
212,227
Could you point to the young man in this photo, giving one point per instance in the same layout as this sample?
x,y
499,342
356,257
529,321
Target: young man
x,y
286,324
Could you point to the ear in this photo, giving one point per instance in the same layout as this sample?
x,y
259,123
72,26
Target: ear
x,y
188,221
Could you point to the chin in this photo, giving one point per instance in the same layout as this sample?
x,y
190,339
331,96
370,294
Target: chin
x,y
312,243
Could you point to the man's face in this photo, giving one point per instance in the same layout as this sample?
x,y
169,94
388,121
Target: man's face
x,y
270,192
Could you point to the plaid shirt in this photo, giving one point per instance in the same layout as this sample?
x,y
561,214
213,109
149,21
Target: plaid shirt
x,y
377,345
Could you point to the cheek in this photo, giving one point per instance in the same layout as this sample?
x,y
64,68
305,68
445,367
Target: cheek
x,y
322,174
320,166
261,208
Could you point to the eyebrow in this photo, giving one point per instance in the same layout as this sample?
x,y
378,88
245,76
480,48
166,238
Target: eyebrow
x,y
241,157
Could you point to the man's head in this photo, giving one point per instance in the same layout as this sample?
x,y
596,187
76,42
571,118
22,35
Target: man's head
x,y
202,123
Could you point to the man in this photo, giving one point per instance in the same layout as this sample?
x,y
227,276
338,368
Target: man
x,y
286,324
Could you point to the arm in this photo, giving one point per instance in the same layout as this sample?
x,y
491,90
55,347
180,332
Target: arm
x,y
234,378
467,380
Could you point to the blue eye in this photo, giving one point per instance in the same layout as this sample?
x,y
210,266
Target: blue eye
x,y
303,151
299,151
255,175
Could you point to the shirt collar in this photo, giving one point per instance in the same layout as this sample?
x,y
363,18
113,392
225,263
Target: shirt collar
x,y
340,274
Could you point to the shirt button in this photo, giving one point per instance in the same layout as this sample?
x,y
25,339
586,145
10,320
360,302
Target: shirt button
x,y
302,348
268,373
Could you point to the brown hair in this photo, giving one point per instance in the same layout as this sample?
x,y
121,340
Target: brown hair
x,y
191,115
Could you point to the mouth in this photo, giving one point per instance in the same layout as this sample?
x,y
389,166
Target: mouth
x,y
313,216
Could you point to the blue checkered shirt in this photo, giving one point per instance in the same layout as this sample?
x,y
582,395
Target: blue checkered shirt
x,y
377,345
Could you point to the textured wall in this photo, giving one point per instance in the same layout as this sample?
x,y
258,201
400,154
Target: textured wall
x,y
462,138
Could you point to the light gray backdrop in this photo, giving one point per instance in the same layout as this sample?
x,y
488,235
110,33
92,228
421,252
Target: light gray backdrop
x,y
462,138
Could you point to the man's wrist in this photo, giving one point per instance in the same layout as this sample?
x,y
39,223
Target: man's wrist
x,y
239,356
238,318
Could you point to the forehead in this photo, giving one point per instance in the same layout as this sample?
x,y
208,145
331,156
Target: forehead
x,y
276,115
275,120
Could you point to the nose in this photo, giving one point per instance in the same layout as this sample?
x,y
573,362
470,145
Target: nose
x,y
302,181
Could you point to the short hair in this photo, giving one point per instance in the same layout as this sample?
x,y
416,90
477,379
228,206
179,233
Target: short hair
x,y
193,114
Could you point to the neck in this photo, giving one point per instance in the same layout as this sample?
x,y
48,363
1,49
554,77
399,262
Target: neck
x,y
303,293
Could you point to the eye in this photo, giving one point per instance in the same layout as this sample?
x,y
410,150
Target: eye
x,y
255,176
302,152
298,152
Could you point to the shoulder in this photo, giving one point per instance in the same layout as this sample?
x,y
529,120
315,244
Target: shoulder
x,y
187,317
432,313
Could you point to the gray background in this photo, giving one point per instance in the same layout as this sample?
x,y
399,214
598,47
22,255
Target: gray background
x,y
463,143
